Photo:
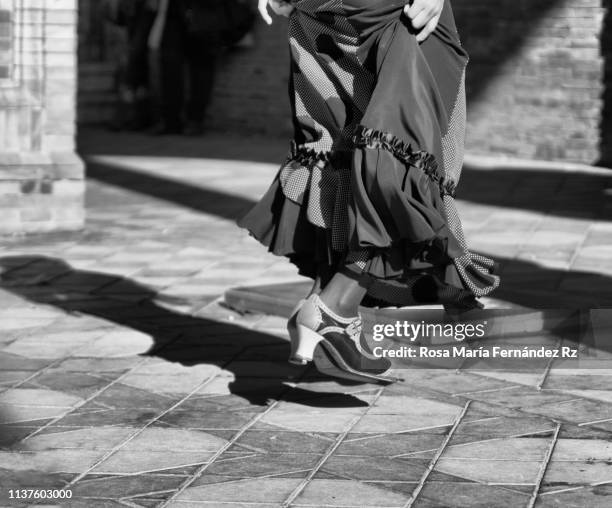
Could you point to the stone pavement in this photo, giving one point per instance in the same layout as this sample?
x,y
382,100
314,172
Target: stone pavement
x,y
126,381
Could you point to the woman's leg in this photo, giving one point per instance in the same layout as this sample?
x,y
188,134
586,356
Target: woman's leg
x,y
344,292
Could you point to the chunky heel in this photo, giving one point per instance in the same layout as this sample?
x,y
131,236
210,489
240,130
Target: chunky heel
x,y
303,343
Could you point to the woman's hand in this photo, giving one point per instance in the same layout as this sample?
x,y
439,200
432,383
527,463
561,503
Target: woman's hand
x,y
280,8
424,15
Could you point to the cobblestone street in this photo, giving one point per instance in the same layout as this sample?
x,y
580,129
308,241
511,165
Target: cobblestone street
x,y
126,379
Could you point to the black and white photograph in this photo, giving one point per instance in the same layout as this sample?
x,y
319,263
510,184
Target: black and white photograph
x,y
306,253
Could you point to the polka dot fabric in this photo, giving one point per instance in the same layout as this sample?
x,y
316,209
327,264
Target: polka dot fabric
x,y
376,158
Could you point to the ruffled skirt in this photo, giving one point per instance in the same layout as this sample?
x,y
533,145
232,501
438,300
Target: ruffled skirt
x,y
370,180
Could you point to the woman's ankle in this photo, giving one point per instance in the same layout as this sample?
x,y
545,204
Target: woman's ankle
x,y
337,306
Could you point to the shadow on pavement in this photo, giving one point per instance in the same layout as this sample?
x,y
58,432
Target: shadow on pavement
x,y
562,193
203,200
177,337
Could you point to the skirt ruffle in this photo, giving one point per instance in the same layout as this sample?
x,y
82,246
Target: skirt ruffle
x,y
371,177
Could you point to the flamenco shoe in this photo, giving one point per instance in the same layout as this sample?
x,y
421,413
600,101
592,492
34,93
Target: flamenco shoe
x,y
341,353
292,329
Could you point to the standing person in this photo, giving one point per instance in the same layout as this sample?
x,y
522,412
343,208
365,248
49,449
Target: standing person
x,y
135,19
364,203
139,18
181,50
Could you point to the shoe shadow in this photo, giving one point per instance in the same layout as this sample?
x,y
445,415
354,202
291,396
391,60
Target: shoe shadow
x,y
257,361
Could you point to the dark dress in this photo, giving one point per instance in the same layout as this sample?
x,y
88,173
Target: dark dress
x,y
377,154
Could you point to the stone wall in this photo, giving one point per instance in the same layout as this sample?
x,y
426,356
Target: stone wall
x,y
41,178
535,81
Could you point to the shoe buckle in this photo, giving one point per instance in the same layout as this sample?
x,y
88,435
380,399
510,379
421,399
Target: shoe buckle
x,y
353,330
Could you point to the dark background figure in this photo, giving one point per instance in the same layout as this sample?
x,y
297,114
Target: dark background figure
x,y
133,110
185,43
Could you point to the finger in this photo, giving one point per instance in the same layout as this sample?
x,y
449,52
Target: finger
x,y
275,5
415,8
428,30
421,20
286,10
281,8
262,7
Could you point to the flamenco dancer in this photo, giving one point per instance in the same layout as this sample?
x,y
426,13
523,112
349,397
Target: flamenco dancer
x,y
364,204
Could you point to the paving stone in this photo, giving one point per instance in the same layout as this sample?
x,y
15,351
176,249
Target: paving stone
x,y
283,442
137,462
254,465
91,415
575,411
10,413
261,490
11,434
577,472
118,344
174,440
491,471
375,468
206,419
100,438
50,461
593,497
460,495
125,486
514,449
348,493
391,444
122,396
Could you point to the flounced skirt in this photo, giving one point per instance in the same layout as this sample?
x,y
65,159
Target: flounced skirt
x,y
371,176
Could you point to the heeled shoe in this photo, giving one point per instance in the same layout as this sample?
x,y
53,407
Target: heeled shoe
x,y
315,324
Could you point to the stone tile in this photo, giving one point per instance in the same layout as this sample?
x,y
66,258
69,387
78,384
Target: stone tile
x,y
261,490
404,414
375,468
283,442
501,426
523,398
125,486
122,396
92,415
593,497
118,344
577,473
205,419
245,387
169,378
491,471
50,461
348,493
301,419
390,444
51,346
100,438
575,411
16,414
16,362
11,434
12,377
29,480
512,449
583,450
73,384
569,431
138,462
105,366
461,495
254,465
174,440
451,382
